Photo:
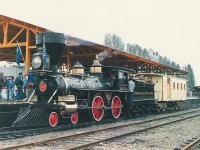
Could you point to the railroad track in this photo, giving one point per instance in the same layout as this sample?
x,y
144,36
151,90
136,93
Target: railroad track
x,y
100,135
9,133
192,144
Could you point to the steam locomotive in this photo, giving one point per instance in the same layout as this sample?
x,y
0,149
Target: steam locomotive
x,y
94,92
57,97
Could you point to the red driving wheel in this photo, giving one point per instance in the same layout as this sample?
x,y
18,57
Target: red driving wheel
x,y
98,113
74,118
53,119
116,102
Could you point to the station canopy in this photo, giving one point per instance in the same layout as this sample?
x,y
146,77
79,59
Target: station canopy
x,y
13,31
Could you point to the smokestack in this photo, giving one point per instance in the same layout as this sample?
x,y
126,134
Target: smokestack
x,y
55,44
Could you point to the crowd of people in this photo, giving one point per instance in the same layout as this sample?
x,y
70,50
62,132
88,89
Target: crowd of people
x,y
20,82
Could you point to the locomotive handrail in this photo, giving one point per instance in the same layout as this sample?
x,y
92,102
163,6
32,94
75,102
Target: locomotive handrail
x,y
53,95
109,90
31,96
102,107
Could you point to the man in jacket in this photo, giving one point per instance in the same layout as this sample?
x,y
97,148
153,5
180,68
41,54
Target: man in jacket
x,y
131,86
25,83
19,84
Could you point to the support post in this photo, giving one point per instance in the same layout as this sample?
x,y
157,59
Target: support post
x,y
28,52
68,59
5,31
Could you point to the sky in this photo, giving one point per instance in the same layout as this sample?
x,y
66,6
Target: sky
x,y
170,27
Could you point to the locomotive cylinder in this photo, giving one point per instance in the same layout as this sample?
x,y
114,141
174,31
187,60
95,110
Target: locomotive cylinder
x,y
68,108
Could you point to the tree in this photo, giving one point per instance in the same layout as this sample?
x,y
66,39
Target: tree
x,y
116,42
138,50
129,48
108,40
190,77
145,53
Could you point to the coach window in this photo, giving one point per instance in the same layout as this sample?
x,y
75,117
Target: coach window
x,y
181,86
184,86
177,86
174,85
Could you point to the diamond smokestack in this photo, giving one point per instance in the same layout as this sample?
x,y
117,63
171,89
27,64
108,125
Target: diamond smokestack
x,y
55,44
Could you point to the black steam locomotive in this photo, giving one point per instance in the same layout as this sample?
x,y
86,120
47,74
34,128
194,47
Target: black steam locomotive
x,y
58,96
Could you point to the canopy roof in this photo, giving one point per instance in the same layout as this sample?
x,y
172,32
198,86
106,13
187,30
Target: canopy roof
x,y
85,52
13,30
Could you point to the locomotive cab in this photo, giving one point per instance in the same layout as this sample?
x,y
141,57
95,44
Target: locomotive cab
x,y
117,76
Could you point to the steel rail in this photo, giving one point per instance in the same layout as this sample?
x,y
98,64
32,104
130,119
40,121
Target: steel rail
x,y
100,130
127,134
62,127
191,145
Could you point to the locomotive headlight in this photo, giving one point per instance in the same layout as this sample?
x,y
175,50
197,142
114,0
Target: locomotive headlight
x,y
36,62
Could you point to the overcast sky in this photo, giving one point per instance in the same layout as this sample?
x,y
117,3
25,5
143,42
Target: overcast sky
x,y
171,27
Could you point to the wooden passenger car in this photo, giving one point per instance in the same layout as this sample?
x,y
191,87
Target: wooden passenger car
x,y
169,90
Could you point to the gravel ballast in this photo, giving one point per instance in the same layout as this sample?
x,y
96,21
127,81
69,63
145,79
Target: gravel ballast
x,y
163,138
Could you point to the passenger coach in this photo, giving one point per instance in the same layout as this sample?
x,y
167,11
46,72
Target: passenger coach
x,y
169,90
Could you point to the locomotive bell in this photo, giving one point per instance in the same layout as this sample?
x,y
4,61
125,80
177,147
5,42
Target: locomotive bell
x,y
96,67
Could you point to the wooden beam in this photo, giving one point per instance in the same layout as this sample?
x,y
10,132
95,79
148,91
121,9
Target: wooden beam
x,y
82,50
24,25
80,55
68,63
9,45
5,32
32,47
2,22
33,31
28,52
119,60
14,45
16,35
68,59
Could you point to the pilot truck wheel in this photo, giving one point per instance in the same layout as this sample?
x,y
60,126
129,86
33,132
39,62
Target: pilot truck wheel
x,y
53,119
74,118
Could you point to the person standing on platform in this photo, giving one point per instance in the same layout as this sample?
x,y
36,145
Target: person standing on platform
x,y
8,87
12,85
131,86
30,86
19,84
1,83
25,83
